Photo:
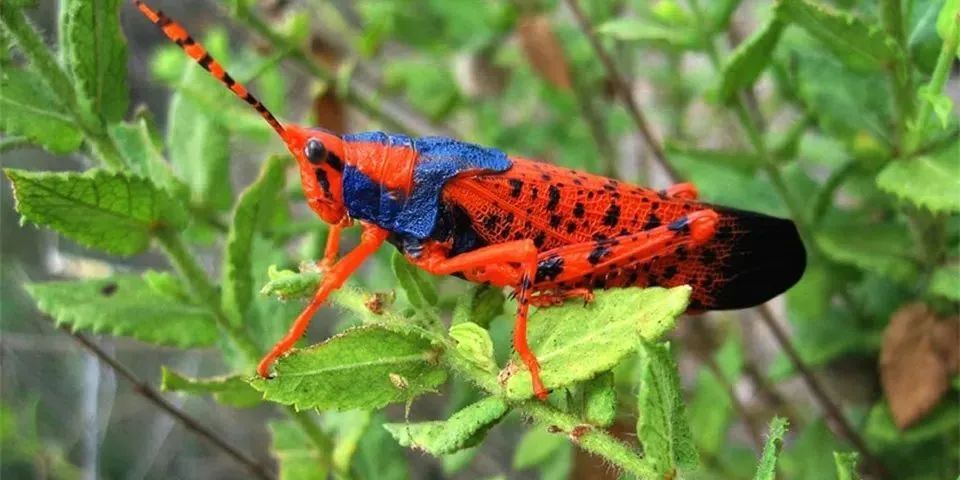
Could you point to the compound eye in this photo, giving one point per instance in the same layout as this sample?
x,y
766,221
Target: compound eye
x,y
315,152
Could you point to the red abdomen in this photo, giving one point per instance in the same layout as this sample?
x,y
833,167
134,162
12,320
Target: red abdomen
x,y
751,258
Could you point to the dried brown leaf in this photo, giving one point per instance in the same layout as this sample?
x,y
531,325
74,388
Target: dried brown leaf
x,y
543,50
919,353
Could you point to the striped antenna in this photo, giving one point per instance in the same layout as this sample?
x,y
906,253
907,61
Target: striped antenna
x,y
175,32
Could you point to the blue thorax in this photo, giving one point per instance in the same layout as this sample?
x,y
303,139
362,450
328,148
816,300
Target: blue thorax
x,y
440,159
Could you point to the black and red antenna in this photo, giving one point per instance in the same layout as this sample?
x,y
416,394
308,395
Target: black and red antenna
x,y
175,32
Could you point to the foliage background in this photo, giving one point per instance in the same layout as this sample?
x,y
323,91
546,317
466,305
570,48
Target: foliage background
x,y
835,121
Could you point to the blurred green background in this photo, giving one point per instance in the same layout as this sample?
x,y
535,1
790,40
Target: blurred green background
x,y
762,105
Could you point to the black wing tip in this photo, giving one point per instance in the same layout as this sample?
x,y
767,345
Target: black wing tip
x,y
772,259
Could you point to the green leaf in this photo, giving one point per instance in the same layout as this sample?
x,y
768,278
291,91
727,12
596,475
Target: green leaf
x,y
930,181
941,103
136,144
813,441
350,427
296,454
464,429
711,409
287,284
662,424
881,248
846,465
859,45
199,147
536,447
881,432
947,18
767,469
230,390
851,103
574,342
253,210
126,305
946,282
379,456
749,59
922,38
719,12
366,367
28,108
475,346
97,55
420,290
645,32
480,306
600,400
113,212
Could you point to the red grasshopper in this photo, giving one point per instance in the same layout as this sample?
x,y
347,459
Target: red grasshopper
x,y
550,233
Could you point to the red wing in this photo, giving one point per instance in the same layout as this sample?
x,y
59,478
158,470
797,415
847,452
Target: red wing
x,y
557,206
751,258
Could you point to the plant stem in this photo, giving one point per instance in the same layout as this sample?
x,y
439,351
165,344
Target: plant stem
x,y
623,90
191,271
146,391
939,78
588,437
900,79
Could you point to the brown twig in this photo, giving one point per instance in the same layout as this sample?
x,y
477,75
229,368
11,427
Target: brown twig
x,y
146,391
624,90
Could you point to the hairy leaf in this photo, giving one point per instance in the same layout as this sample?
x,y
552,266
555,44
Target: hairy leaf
x,y
767,469
287,284
366,367
199,146
464,429
474,345
296,454
97,55
930,181
28,108
113,212
846,465
137,146
860,45
574,342
230,390
749,59
253,209
879,248
126,305
420,289
662,424
600,400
